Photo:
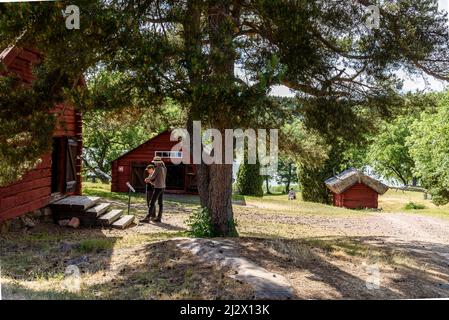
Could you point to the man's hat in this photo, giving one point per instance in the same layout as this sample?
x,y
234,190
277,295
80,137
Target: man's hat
x,y
150,166
157,159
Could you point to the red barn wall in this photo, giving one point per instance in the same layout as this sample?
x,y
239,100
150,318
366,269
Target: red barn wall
x,y
19,62
358,196
142,154
33,191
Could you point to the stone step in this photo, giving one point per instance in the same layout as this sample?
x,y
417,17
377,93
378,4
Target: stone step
x,y
98,210
74,203
123,222
108,218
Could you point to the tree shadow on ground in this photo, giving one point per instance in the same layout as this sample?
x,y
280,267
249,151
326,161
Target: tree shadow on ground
x,y
345,264
154,268
153,271
52,253
168,226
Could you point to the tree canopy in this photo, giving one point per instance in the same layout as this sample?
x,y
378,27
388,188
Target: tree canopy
x,y
389,153
429,148
108,135
189,51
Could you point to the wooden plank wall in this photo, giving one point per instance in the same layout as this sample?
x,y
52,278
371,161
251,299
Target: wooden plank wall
x,y
357,197
143,153
19,62
33,191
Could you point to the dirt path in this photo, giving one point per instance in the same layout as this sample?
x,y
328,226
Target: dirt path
x,y
394,226
410,227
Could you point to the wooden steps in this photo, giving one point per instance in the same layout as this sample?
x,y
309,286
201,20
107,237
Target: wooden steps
x,y
75,203
90,211
110,217
123,222
98,210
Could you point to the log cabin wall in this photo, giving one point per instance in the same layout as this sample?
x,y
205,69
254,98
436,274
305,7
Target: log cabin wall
x,y
359,196
34,190
140,157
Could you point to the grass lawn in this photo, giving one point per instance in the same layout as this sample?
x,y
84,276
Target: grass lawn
x,y
392,201
323,251
395,201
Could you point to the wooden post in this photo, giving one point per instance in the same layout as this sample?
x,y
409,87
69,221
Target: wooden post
x,y
130,188
129,199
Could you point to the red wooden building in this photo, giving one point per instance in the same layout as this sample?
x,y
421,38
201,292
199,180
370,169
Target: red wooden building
x,y
355,190
130,167
58,174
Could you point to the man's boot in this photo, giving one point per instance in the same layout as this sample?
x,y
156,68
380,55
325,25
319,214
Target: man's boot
x,y
159,216
146,219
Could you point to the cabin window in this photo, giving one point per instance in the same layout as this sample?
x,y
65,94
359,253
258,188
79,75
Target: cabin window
x,y
168,154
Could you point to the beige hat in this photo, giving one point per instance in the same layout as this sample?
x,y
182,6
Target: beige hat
x,y
157,159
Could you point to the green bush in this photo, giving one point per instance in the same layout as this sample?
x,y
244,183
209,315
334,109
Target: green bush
x,y
249,180
200,224
312,185
414,206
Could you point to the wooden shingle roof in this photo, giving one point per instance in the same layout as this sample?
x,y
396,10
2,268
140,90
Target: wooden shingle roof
x,y
343,181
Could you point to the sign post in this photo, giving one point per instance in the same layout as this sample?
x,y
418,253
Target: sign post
x,y
130,188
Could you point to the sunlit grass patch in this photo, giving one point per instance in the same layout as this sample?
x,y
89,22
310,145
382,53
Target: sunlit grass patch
x,y
92,245
414,206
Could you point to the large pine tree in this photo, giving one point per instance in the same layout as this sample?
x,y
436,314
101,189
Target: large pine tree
x,y
189,50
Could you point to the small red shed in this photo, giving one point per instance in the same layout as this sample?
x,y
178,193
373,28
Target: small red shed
x,y
130,167
354,190
59,172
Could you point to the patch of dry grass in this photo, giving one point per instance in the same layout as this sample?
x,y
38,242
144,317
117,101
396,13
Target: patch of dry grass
x,y
294,238
395,201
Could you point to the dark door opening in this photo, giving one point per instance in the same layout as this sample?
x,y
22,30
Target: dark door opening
x,y
63,165
174,180
175,177
138,176
70,165
56,170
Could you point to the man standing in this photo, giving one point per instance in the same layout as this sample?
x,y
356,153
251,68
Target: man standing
x,y
149,188
157,179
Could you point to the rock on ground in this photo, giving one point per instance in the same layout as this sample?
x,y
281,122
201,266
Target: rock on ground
x,y
267,285
74,223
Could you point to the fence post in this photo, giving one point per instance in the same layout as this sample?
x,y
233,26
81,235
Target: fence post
x,y
130,188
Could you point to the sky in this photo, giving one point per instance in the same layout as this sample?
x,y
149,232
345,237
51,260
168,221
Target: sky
x,y
410,84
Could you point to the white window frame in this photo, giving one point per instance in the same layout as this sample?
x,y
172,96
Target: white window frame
x,y
168,154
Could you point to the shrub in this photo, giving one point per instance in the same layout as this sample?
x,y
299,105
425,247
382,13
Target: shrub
x,y
249,180
312,184
200,224
414,206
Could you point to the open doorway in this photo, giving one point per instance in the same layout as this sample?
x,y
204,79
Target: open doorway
x,y
63,165
175,177
138,175
56,168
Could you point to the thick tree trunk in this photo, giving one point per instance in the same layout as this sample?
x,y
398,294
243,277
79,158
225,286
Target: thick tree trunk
x,y
203,184
219,192
214,181
220,197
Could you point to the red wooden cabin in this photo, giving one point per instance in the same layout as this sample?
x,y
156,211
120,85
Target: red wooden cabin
x,y
354,190
58,174
130,167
